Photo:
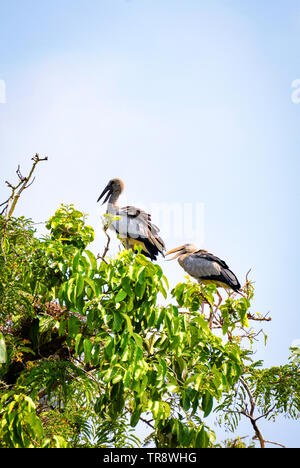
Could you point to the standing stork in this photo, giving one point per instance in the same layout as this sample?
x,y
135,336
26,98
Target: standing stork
x,y
132,224
207,269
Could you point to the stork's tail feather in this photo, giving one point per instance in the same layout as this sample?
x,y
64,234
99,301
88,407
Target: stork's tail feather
x,y
152,250
231,279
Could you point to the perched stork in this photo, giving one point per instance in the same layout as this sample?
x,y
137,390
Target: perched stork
x,y
205,267
132,224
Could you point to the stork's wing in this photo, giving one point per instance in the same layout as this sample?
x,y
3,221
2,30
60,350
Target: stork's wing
x,y
207,267
135,226
211,257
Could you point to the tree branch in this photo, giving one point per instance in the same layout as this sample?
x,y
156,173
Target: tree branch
x,y
250,414
16,191
23,184
275,443
106,249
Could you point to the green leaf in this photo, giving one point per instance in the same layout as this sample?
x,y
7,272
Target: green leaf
x,y
202,439
91,284
141,275
129,324
127,286
140,289
73,325
161,317
92,259
136,416
77,342
138,339
116,378
62,327
109,348
59,442
79,285
118,320
162,290
87,348
165,280
95,354
207,403
5,245
3,354
70,289
120,296
76,261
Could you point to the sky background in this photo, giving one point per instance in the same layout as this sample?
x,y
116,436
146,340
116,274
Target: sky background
x,y
188,102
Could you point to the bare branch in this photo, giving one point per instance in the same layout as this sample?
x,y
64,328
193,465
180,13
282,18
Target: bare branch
x,y
23,184
247,274
21,177
108,242
29,184
106,249
1,204
258,318
275,443
16,191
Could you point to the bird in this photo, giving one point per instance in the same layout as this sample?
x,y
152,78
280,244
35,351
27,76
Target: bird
x,y
205,267
132,224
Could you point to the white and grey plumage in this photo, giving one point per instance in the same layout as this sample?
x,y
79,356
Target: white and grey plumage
x,y
132,224
205,267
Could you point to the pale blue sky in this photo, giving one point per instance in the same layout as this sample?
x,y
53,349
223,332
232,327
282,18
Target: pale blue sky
x,y
187,101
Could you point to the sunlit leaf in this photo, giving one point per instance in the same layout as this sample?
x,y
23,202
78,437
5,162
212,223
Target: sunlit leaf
x,y
3,355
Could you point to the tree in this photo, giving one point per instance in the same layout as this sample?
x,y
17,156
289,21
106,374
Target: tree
x,y
87,351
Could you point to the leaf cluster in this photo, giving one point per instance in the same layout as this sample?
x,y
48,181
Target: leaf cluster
x,y
87,352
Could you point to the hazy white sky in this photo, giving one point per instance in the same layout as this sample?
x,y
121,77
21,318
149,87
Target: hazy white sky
x,y
189,102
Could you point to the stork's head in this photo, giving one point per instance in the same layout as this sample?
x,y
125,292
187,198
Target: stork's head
x,y
183,249
114,186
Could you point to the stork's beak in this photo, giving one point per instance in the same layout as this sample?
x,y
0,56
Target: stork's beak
x,y
177,249
107,189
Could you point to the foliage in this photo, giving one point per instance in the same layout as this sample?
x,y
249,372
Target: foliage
x,y
273,391
68,227
87,352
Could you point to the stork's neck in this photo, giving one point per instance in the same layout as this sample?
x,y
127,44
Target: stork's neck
x,y
182,258
112,202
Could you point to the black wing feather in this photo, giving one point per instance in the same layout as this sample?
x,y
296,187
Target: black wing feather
x,y
226,275
147,232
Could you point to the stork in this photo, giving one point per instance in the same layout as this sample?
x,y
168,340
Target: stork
x,y
206,268
132,224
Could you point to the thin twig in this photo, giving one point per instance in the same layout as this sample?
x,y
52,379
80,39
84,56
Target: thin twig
x,y
266,414
259,319
147,422
106,249
248,272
